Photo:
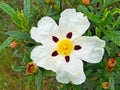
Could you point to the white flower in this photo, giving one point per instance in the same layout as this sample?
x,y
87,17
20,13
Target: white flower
x,y
63,47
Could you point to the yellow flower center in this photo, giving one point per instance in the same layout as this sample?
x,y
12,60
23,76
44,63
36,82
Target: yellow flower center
x,y
65,46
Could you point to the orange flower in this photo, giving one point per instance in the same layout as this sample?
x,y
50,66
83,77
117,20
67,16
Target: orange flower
x,y
105,85
111,64
13,44
31,68
86,2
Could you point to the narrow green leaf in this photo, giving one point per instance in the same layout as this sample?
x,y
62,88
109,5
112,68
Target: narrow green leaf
x,y
82,9
112,82
23,36
8,9
16,21
18,68
115,11
94,18
38,80
107,17
8,41
109,2
113,36
27,8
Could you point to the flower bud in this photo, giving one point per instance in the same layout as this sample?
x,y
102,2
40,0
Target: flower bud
x,y
47,1
13,44
86,2
112,62
118,54
105,85
31,68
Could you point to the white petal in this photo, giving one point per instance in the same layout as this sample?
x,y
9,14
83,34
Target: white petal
x,y
47,28
72,21
71,71
41,55
92,49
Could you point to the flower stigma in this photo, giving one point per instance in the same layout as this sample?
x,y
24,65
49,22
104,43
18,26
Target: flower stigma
x,y
65,46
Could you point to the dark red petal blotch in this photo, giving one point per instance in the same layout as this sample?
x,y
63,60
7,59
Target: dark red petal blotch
x,y
55,53
67,58
77,47
69,35
55,39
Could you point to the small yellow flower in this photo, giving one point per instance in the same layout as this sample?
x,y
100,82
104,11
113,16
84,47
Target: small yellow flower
x,y
105,85
31,68
86,2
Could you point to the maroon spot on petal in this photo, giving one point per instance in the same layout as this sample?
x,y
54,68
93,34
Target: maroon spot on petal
x,y
67,58
77,47
55,53
69,35
55,39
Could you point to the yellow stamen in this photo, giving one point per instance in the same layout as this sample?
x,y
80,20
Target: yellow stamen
x,y
65,46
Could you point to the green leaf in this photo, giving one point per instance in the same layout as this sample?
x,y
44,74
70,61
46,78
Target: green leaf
x,y
109,2
27,8
48,73
107,17
9,10
38,80
113,36
112,82
8,41
116,23
82,9
93,18
18,68
23,36
76,87
115,11
66,87
24,21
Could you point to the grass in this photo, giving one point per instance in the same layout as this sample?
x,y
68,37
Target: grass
x,y
8,79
